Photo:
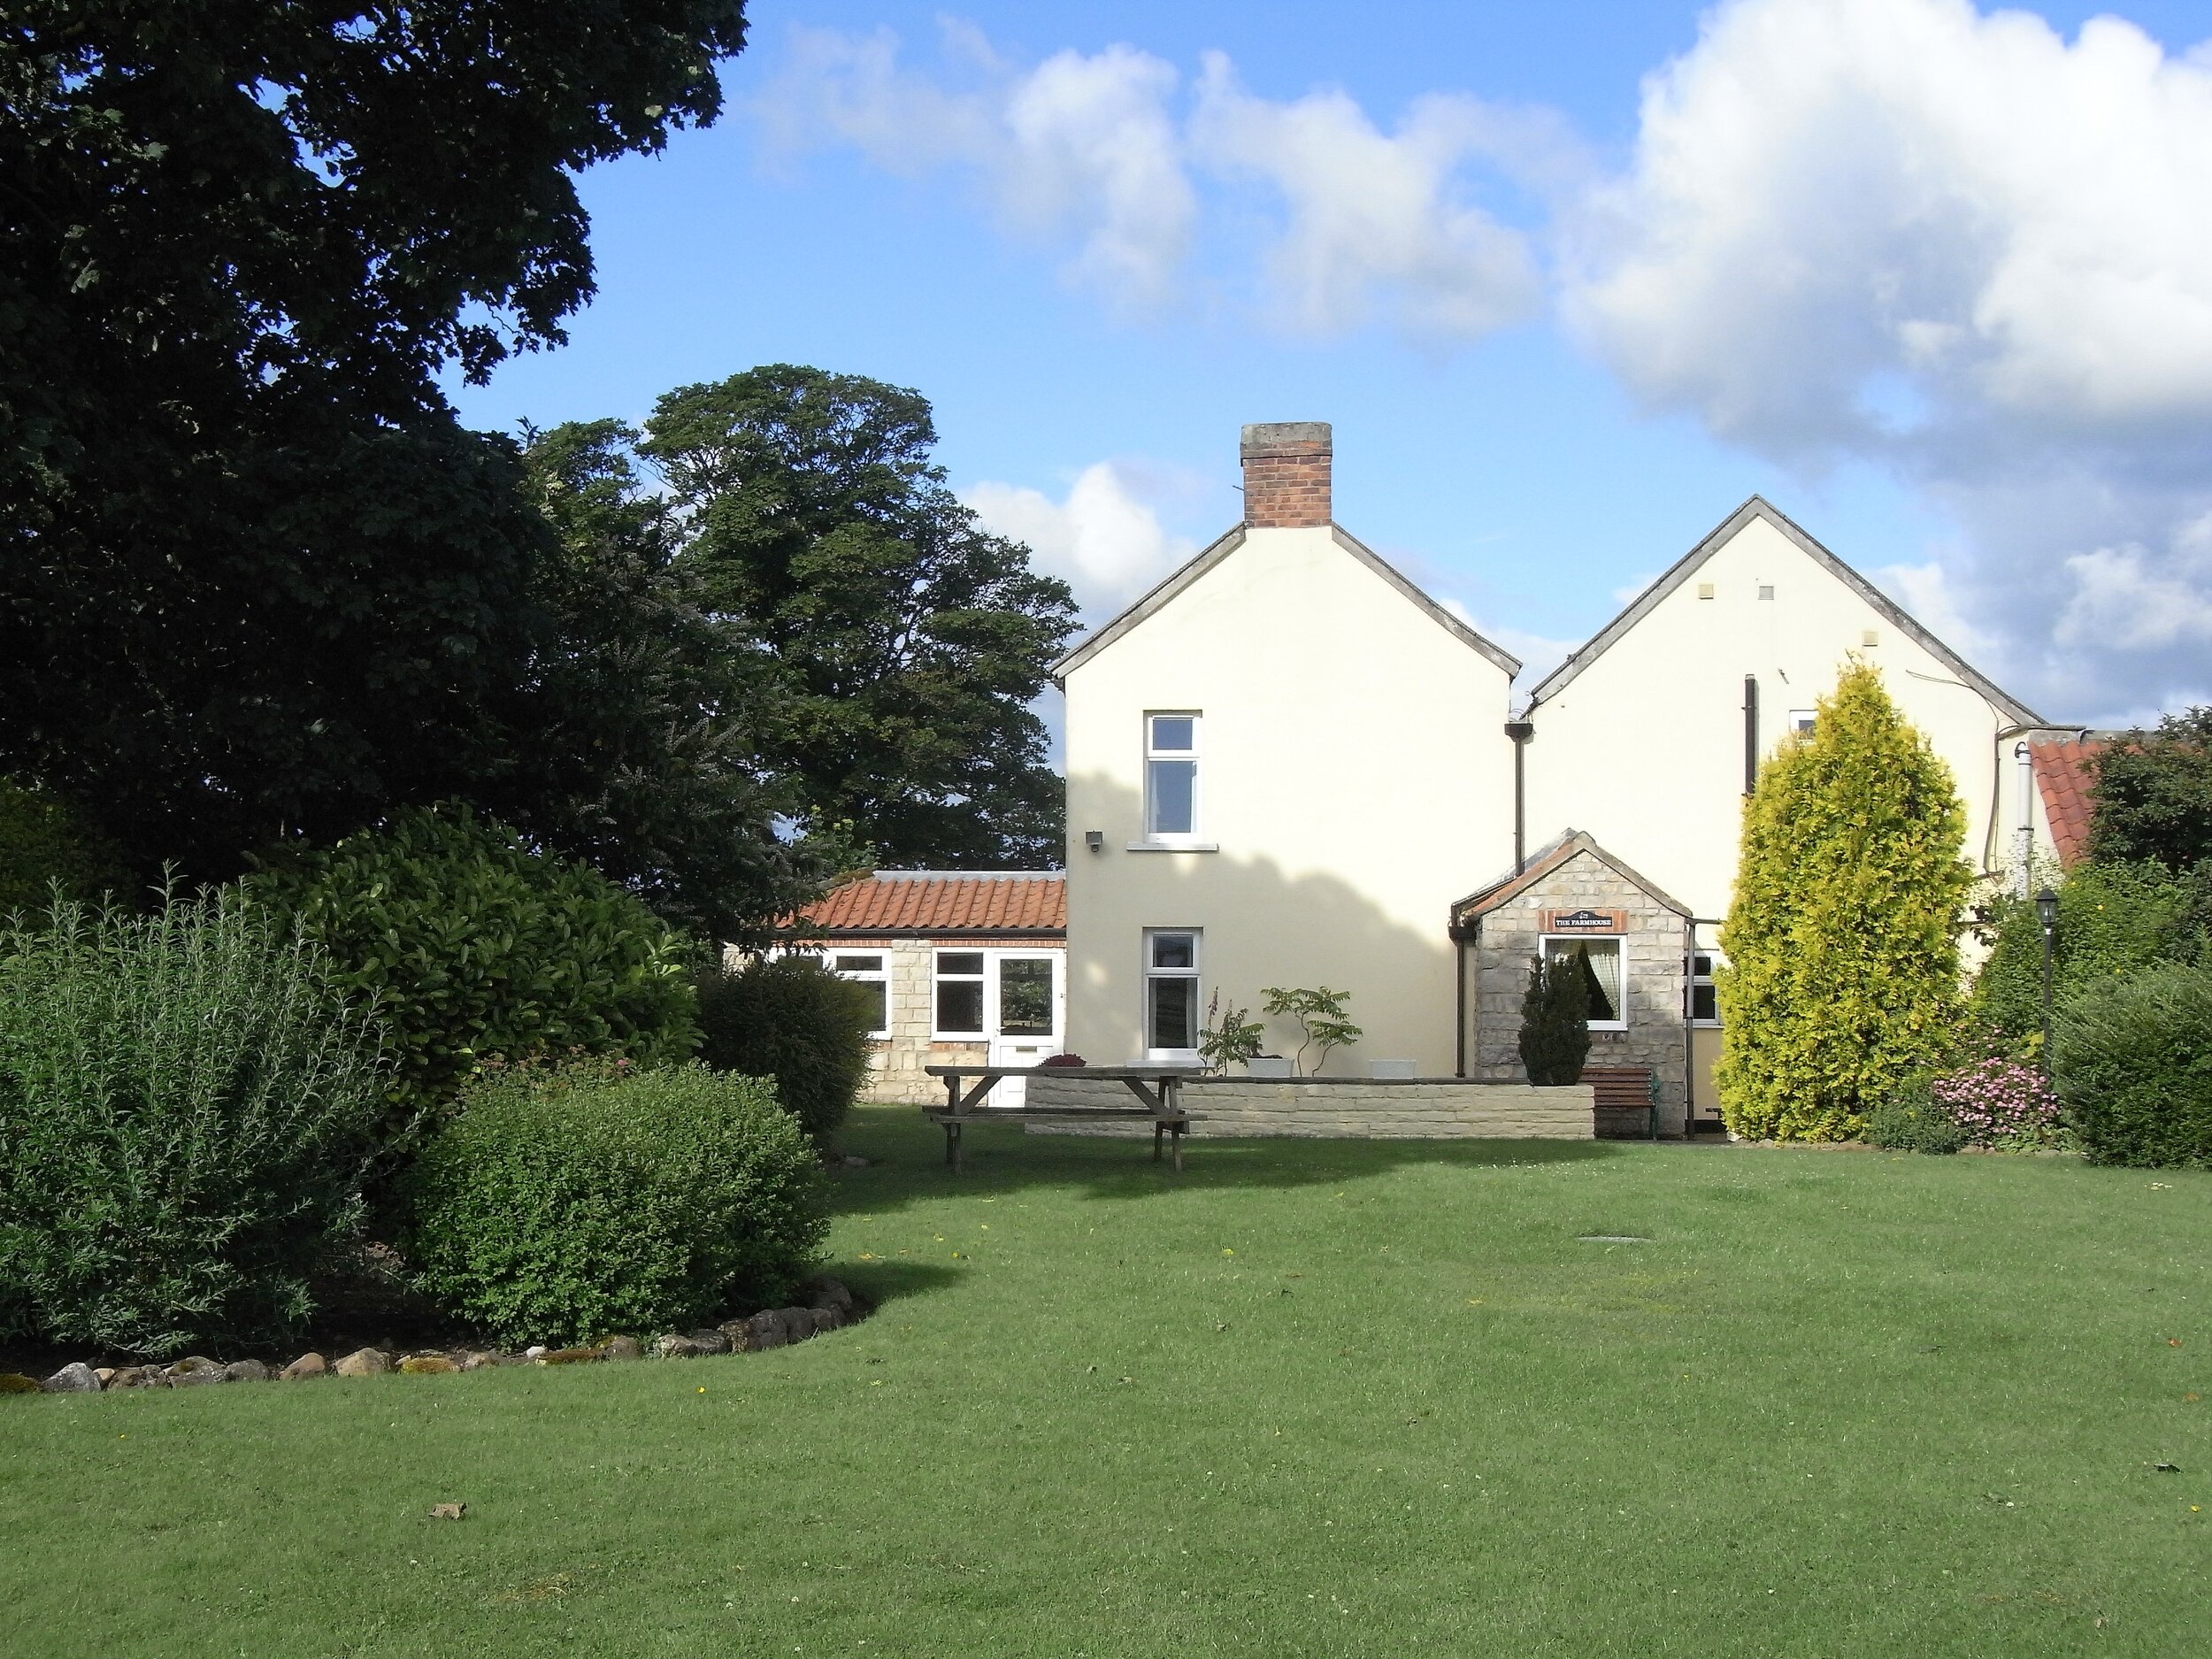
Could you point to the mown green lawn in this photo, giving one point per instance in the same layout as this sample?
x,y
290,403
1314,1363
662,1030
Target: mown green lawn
x,y
1323,1398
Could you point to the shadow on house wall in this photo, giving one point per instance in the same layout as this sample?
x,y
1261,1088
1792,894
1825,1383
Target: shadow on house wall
x,y
1369,918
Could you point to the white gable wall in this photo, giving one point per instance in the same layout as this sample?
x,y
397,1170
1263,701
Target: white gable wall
x,y
1354,773
1644,746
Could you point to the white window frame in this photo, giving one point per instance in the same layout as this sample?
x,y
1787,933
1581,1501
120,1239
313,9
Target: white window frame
x,y
1196,973
1195,755
992,1018
981,979
1802,720
1692,980
881,976
1544,946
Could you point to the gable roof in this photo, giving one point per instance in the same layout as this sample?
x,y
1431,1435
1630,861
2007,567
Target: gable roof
x,y
2062,778
938,901
1176,582
2016,712
1567,846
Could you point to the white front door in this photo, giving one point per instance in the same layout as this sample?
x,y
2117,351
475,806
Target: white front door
x,y
1024,996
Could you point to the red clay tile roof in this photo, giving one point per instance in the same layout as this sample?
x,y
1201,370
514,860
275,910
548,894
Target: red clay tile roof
x,y
939,902
2062,778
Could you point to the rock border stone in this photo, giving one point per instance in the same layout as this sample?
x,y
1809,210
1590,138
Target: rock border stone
x,y
831,1306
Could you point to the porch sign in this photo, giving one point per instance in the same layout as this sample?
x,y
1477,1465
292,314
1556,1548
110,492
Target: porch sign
x,y
1582,921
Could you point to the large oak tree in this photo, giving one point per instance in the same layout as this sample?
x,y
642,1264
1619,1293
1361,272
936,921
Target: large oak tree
x,y
909,642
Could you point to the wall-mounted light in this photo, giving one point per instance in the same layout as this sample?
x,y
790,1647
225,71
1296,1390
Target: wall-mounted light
x,y
1095,840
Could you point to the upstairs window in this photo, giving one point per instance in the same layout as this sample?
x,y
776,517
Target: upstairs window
x,y
868,968
1803,720
1171,777
1171,992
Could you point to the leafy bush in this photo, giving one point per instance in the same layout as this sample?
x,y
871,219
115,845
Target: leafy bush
x,y
2132,1058
2000,1103
790,1019
474,943
1555,1019
2153,794
1912,1120
46,841
1323,1025
186,1110
2113,920
1843,966
565,1204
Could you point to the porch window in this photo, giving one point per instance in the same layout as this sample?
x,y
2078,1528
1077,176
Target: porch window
x,y
1171,992
1024,996
1604,972
1704,1002
868,968
959,992
1170,776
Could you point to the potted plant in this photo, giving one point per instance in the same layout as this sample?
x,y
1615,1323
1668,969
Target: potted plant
x,y
1231,1036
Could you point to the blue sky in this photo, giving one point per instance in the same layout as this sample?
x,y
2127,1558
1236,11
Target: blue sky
x,y
1569,280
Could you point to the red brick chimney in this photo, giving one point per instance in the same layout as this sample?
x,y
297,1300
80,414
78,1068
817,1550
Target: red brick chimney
x,y
1286,474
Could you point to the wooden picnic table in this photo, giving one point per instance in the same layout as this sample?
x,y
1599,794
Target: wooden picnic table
x,y
1158,1089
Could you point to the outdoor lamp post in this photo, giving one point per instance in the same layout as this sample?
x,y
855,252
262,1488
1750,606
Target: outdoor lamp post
x,y
2047,913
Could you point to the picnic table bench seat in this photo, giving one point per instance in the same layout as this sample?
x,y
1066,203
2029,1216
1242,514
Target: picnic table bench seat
x,y
1155,1089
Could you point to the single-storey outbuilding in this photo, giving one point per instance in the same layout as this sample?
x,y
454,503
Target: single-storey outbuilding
x,y
968,967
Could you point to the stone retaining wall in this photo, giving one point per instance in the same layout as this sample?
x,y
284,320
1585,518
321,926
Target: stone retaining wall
x,y
1379,1109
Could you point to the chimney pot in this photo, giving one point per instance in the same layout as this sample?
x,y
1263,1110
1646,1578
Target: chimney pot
x,y
1286,474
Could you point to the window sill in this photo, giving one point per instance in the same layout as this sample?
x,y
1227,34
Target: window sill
x,y
1172,847
1608,1028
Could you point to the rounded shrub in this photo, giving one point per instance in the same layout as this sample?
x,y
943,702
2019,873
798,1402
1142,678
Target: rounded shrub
x,y
789,1018
566,1205
2133,1059
187,1110
1912,1119
474,943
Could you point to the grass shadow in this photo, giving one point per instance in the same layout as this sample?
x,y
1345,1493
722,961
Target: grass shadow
x,y
908,1165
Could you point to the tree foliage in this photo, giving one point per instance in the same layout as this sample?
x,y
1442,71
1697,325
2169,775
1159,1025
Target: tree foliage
x,y
47,842
2152,794
909,642
1555,1039
254,577
1842,976
652,730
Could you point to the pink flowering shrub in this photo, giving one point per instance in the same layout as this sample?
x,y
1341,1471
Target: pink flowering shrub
x,y
2000,1103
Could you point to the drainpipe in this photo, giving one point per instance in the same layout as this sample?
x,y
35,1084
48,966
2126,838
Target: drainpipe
x,y
1520,731
1750,732
2023,837
1459,997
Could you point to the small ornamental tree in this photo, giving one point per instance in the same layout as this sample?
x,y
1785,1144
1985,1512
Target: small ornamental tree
x,y
1843,964
1555,1019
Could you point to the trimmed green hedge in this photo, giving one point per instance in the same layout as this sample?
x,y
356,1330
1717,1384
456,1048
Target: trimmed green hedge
x,y
476,944
2133,1065
569,1206
790,1019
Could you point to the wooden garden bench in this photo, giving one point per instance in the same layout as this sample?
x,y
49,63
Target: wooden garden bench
x,y
1624,1088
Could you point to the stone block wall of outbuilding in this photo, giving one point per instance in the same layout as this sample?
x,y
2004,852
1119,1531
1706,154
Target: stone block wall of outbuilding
x,y
1654,944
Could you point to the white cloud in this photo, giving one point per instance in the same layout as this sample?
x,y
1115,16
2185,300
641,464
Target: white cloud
x,y
1106,150
1104,539
1081,147
1961,245
1374,218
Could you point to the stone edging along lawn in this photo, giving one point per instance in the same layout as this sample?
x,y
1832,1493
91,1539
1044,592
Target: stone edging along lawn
x,y
832,1307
